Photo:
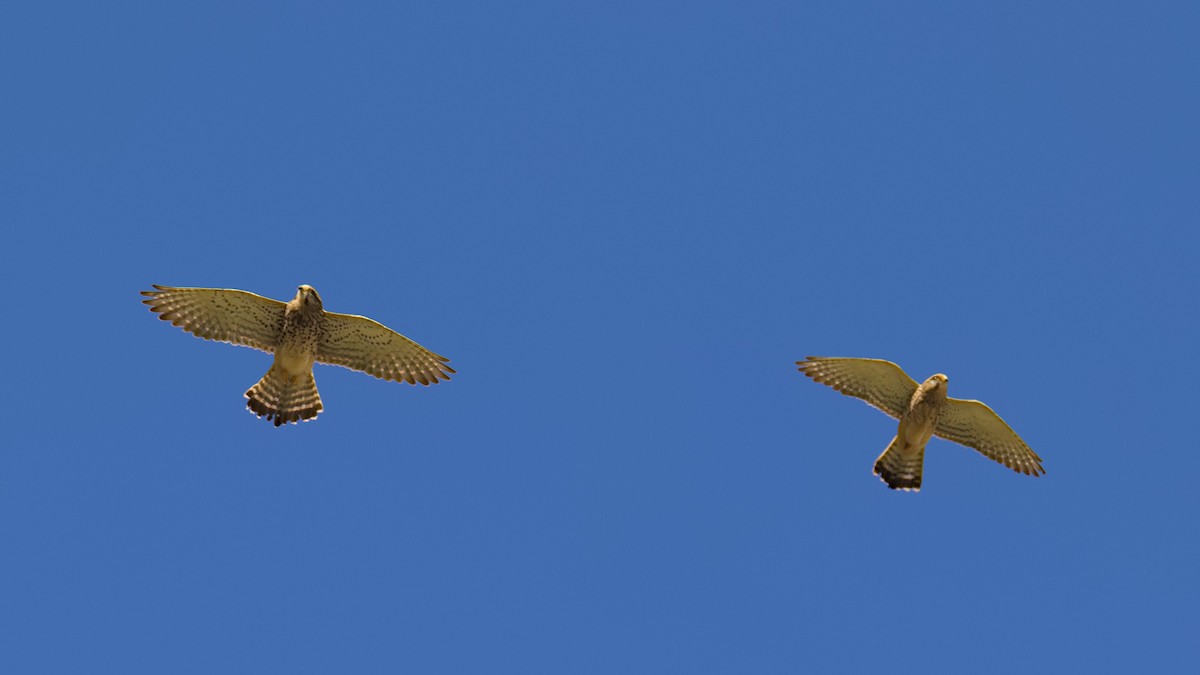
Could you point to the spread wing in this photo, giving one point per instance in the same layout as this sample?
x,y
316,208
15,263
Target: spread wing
x,y
222,314
977,426
359,343
881,383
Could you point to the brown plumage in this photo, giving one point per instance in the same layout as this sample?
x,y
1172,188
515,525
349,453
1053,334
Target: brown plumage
x,y
299,333
924,410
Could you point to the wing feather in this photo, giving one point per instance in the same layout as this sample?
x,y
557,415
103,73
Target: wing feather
x,y
222,314
880,383
362,344
977,426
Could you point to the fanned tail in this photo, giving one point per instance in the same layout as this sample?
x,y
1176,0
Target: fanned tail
x,y
284,398
900,470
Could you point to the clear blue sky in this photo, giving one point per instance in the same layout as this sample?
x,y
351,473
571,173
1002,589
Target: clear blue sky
x,y
623,223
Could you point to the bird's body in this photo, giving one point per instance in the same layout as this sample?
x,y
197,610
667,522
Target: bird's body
x,y
303,325
299,333
900,465
288,392
924,411
917,427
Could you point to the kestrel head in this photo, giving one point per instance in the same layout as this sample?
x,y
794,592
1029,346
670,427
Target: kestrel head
x,y
307,297
936,381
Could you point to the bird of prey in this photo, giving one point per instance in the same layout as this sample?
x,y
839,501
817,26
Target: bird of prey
x,y
299,333
924,410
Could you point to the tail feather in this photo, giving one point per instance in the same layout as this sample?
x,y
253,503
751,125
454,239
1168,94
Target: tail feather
x,y
900,470
284,398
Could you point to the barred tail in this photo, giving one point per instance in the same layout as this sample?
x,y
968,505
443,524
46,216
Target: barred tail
x,y
899,469
284,397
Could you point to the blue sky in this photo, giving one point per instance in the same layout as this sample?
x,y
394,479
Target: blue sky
x,y
623,223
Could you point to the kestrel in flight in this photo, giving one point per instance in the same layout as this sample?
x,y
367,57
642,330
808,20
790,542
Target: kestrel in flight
x,y
924,410
299,333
